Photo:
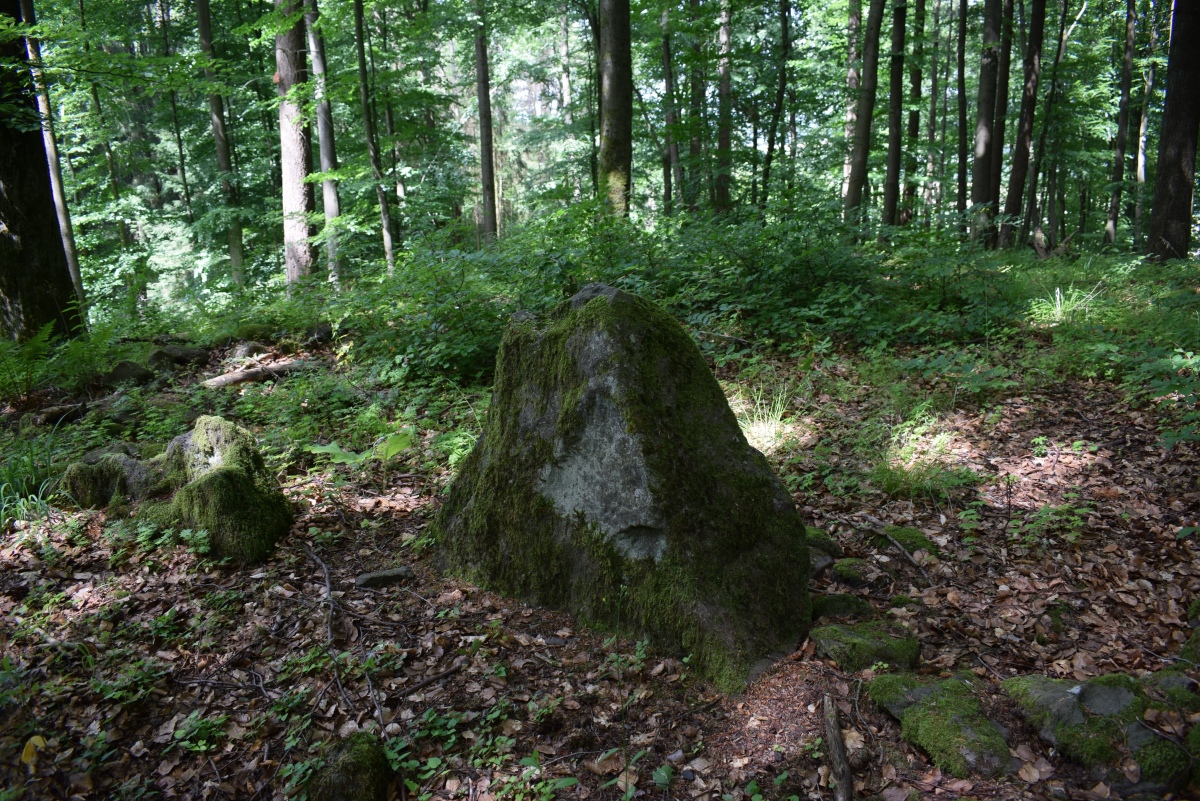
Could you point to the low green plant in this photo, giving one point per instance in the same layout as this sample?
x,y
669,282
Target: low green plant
x,y
198,733
129,682
23,365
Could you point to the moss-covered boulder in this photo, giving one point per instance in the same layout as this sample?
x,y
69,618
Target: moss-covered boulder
x,y
866,644
945,719
841,605
358,770
111,478
612,481
852,572
910,539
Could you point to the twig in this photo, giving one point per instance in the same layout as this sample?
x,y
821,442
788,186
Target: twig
x,y
337,677
421,685
367,673
724,336
844,790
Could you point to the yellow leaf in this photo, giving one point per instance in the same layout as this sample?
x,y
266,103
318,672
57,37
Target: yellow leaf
x,y
29,755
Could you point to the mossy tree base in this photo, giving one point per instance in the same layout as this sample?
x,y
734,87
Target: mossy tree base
x,y
612,481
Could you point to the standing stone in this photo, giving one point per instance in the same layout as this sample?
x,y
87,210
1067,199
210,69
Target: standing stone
x,y
612,481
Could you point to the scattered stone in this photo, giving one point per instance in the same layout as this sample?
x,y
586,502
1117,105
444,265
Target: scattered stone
x,y
357,771
612,481
126,372
852,572
945,719
245,350
169,357
841,605
865,644
384,578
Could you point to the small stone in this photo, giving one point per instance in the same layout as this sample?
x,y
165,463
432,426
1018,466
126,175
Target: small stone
x,y
126,372
245,350
555,641
675,757
384,578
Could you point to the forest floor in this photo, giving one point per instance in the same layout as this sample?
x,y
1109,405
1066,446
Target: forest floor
x,y
134,670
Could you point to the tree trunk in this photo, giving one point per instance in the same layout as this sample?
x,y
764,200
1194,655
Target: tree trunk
x,y
216,114
1143,126
785,13
853,26
931,125
364,99
866,107
164,21
912,137
1171,217
695,116
724,201
960,204
981,172
295,154
1064,34
1004,70
327,148
35,283
891,183
1021,149
674,170
483,93
616,106
66,230
1114,203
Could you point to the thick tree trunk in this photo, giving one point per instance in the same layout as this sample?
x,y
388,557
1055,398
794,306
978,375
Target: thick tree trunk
x,y
866,107
724,200
364,99
1171,217
785,13
931,175
891,182
1021,148
45,111
853,26
616,106
1114,203
981,172
912,141
327,147
1143,128
295,155
487,161
1004,71
960,204
35,284
216,114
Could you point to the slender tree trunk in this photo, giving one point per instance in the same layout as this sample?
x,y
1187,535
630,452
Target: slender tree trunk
x,y
696,92
1052,209
785,13
1047,114
1143,127
961,199
164,20
109,160
931,126
891,183
1114,204
483,91
866,108
724,201
913,136
364,99
616,105
327,148
568,107
295,139
854,24
1021,149
981,172
216,114
45,111
1004,70
673,167
1171,217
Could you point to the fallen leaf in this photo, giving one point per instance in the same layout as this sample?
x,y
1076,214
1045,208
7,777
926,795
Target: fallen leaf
x,y
1029,773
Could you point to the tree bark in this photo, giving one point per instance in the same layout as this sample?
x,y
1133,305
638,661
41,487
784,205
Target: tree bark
x,y
674,169
1114,203
853,26
1001,125
931,175
1171,216
216,114
364,99
295,155
866,107
483,93
724,200
35,284
891,183
695,116
1064,33
616,106
960,203
985,118
1024,143
1143,127
785,13
912,141
327,148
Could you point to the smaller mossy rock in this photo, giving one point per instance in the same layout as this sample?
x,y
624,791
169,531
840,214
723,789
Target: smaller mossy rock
x,y
1177,690
899,601
945,720
111,479
841,605
1164,762
1193,612
910,539
119,448
820,542
259,332
865,644
244,350
358,770
169,357
1189,654
853,572
126,372
213,443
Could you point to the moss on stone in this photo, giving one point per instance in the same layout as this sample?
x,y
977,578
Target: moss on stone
x,y
951,728
911,539
865,644
112,479
889,690
821,542
256,332
727,593
358,771
243,520
903,600
850,571
1190,652
1164,762
1193,611
841,605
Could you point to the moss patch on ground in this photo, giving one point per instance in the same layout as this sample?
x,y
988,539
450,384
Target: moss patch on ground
x,y
851,571
358,771
841,605
911,539
866,644
821,542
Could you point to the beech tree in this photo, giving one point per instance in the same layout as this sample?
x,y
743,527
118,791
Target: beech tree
x,y
295,139
616,105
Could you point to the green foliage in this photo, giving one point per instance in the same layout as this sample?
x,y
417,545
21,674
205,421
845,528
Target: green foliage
x,y
198,733
23,365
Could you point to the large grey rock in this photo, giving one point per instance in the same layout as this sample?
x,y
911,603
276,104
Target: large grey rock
x,y
612,481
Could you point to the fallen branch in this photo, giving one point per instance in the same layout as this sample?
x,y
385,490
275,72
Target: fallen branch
x,y
262,373
337,677
838,764
421,685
